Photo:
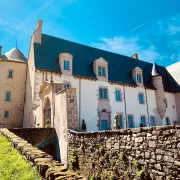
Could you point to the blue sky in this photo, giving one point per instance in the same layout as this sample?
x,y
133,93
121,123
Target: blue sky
x,y
150,28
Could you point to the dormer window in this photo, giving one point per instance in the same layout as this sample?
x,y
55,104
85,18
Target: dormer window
x,y
139,79
137,74
100,67
66,65
101,71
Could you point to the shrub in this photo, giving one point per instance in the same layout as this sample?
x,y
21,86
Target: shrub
x,y
38,124
73,160
135,163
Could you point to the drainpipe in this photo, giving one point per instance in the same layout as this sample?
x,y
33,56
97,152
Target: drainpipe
x,y
125,105
147,106
79,104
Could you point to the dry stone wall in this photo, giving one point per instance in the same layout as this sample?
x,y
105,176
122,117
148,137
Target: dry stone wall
x,y
47,167
144,153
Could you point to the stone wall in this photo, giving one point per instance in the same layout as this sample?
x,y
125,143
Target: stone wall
x,y
144,153
43,138
47,167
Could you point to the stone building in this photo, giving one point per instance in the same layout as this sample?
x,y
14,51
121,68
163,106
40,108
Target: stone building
x,y
67,82
13,65
102,84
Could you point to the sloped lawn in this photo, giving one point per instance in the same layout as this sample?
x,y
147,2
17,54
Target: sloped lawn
x,y
12,164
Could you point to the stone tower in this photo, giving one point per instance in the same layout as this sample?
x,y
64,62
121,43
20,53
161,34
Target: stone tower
x,y
12,88
159,92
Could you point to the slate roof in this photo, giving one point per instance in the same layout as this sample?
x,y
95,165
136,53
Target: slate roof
x,y
119,67
14,54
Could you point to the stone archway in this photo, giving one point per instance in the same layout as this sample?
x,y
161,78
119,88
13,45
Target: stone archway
x,y
47,111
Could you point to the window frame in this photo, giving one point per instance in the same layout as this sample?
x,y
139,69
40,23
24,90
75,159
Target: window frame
x,y
154,120
132,120
120,95
144,116
139,77
10,70
66,65
102,96
143,100
66,84
102,71
8,98
6,114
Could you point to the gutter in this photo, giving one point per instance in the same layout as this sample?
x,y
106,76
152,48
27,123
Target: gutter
x,y
79,104
147,106
125,106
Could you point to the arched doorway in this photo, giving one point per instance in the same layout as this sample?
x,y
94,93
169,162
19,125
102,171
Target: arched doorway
x,y
47,113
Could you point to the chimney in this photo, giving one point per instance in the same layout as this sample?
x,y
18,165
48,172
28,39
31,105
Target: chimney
x,y
0,50
38,32
135,56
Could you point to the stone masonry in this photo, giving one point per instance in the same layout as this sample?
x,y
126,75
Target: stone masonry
x,y
15,85
144,153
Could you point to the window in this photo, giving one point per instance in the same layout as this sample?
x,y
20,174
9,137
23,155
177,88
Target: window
x,y
152,121
168,121
118,95
103,93
66,65
10,74
130,121
101,71
139,78
143,121
141,98
6,114
120,121
8,96
66,86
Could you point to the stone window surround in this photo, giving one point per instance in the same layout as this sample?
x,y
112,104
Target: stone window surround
x,y
143,98
100,62
104,87
121,94
12,73
66,57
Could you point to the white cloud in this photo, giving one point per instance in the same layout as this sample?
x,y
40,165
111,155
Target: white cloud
x,y
128,46
173,29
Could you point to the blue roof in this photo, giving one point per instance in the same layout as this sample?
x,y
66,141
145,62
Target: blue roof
x,y
119,67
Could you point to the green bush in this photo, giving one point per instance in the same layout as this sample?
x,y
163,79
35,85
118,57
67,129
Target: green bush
x,y
38,124
73,160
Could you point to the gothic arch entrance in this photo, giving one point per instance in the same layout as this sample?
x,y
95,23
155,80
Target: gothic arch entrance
x,y
47,111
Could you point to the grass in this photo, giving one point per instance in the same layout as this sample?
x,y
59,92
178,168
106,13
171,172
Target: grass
x,y
12,165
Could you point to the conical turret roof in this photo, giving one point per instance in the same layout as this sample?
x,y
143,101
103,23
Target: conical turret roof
x,y
155,70
14,54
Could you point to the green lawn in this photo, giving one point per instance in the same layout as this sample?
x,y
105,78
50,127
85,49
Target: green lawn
x,y
12,164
